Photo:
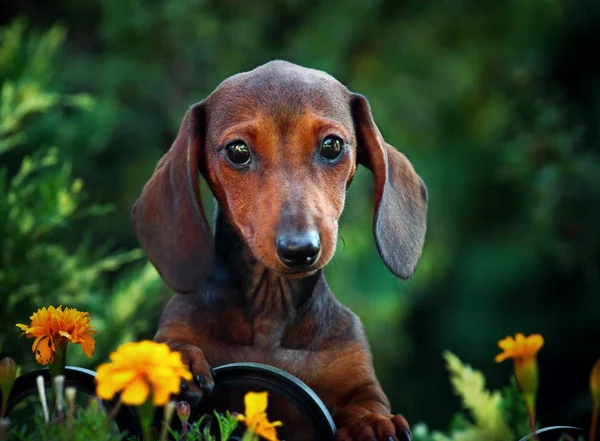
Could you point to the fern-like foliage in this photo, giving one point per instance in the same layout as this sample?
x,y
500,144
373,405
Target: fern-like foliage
x,y
484,407
514,408
227,424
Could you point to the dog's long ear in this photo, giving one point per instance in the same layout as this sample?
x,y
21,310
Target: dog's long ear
x,y
168,217
400,195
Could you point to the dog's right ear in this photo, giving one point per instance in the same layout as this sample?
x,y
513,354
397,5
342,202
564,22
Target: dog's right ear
x,y
168,217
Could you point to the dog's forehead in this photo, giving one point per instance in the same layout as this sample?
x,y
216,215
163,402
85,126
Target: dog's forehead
x,y
278,90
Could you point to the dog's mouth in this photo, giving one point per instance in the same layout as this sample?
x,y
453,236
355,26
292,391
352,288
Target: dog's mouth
x,y
287,269
299,272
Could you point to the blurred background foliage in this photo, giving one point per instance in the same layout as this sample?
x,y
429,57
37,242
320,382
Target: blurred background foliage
x,y
497,104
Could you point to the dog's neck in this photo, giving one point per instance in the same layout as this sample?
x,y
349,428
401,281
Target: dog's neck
x,y
262,290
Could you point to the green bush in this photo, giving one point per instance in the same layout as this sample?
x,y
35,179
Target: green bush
x,y
40,201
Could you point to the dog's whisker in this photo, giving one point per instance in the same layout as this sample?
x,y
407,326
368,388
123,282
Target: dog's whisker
x,y
341,238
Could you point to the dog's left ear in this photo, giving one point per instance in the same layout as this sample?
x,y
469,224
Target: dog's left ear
x,y
400,195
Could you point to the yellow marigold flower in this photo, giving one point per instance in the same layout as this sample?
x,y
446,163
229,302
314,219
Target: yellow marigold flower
x,y
53,327
523,350
520,347
141,368
255,416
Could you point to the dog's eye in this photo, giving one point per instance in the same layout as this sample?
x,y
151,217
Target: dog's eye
x,y
331,147
238,153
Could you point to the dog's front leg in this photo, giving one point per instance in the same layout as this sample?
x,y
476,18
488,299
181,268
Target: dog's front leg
x,y
360,409
181,339
367,417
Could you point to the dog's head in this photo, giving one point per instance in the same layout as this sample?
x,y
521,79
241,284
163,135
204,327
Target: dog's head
x,y
278,146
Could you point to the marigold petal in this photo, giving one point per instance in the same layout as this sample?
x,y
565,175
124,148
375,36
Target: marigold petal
x,y
136,392
88,344
506,343
35,343
44,352
106,390
118,379
255,403
161,394
501,357
35,331
266,429
67,335
38,330
535,343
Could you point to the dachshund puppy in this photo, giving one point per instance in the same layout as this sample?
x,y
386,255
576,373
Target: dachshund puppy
x,y
278,146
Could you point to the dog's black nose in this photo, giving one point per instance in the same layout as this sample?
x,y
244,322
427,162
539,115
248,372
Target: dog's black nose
x,y
298,248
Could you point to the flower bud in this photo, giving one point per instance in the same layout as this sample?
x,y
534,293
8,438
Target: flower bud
x,y
183,411
70,393
8,374
168,411
167,415
526,373
59,385
42,393
4,427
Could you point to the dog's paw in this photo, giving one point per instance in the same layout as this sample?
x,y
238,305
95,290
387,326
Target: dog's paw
x,y
202,382
376,427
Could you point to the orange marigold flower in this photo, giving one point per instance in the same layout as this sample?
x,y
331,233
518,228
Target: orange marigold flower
x,y
255,416
141,368
520,347
53,327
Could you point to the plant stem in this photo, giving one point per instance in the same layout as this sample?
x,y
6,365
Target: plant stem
x,y
530,402
594,421
4,404
60,361
145,413
249,435
115,410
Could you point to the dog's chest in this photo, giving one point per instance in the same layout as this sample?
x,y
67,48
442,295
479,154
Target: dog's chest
x,y
267,333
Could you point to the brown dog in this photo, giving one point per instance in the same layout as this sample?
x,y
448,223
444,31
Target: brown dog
x,y
278,147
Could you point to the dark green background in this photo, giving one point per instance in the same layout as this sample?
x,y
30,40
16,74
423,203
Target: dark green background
x,y
497,104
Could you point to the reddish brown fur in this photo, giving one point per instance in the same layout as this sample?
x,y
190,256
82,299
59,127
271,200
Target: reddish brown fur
x,y
241,303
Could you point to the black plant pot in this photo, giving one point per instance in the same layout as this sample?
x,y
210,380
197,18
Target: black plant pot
x,y
554,433
251,375
259,377
84,380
